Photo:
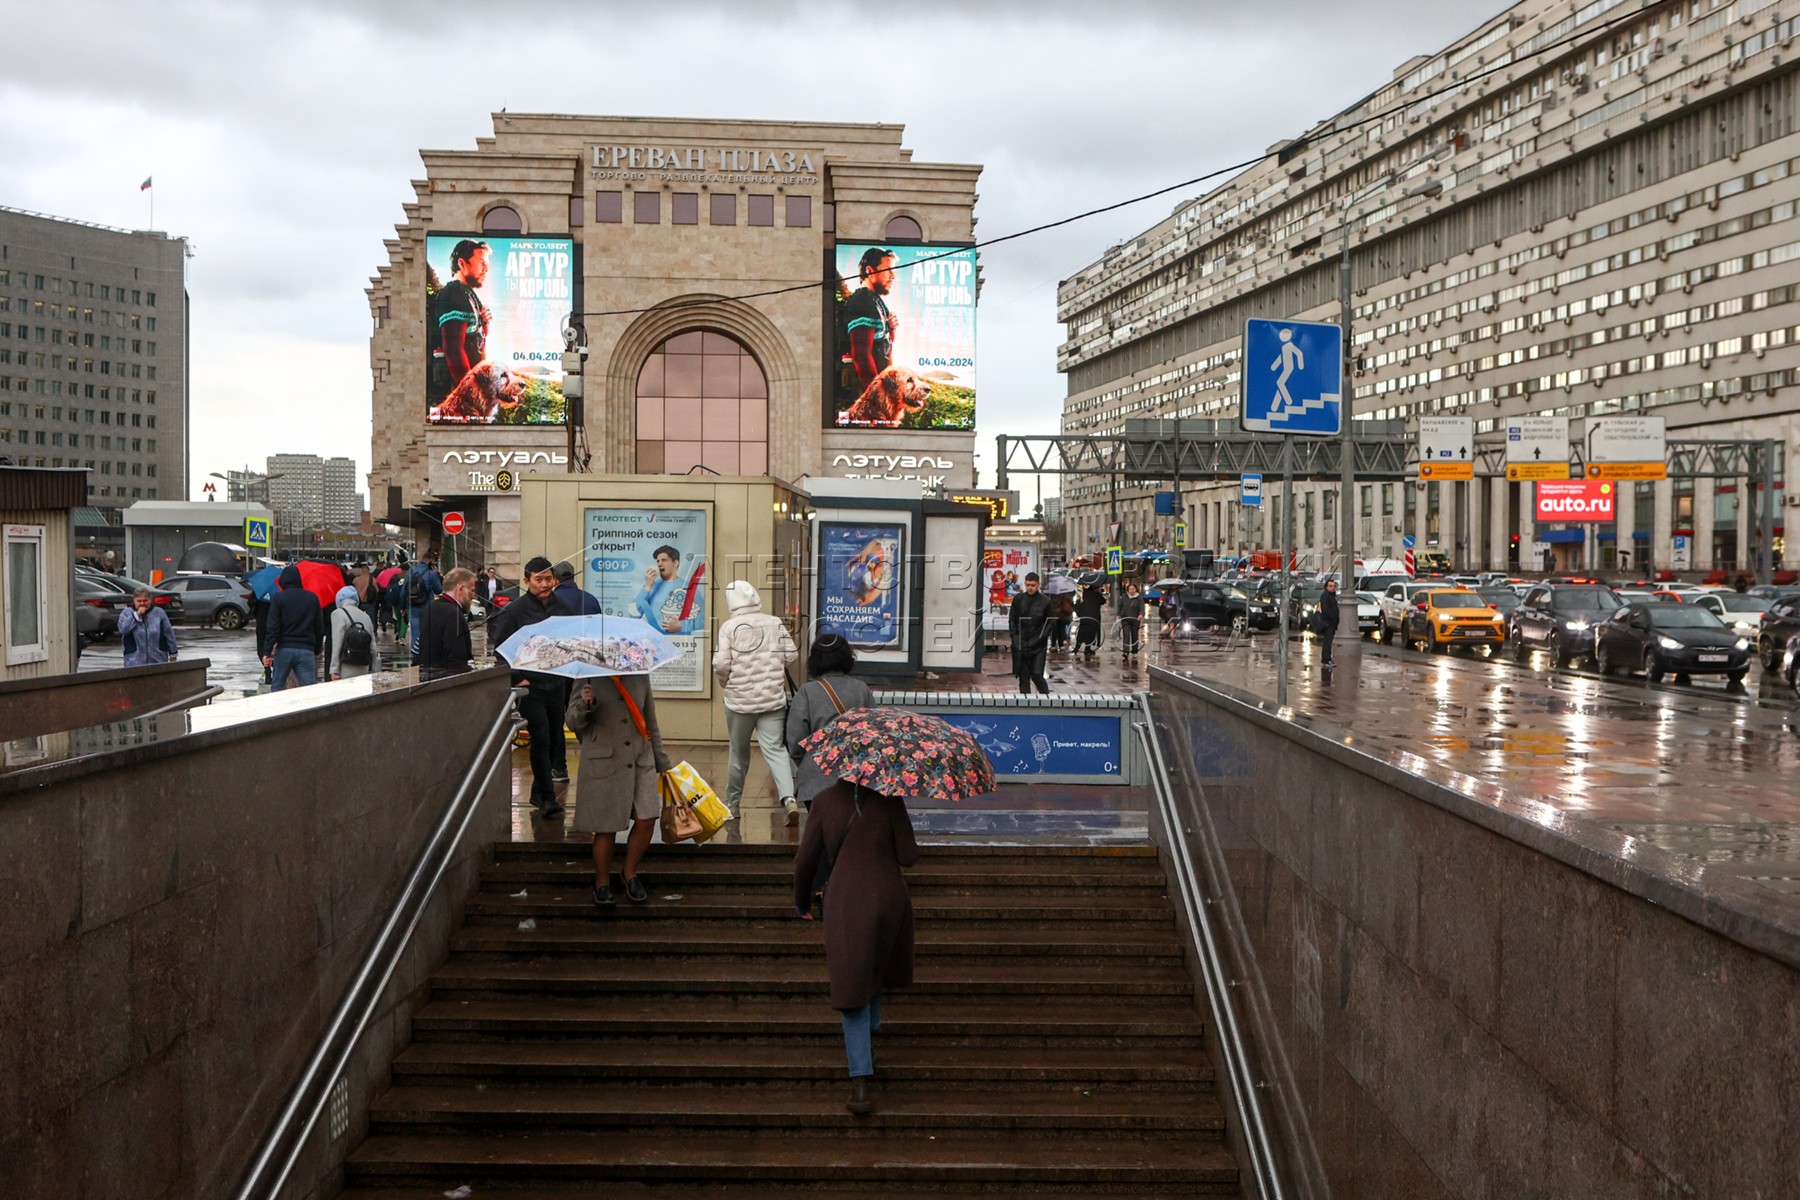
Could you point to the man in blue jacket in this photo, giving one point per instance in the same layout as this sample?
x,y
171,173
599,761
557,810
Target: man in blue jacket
x,y
423,583
569,592
293,633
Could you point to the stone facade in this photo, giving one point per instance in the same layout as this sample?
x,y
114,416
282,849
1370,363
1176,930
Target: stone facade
x,y
643,283
1591,213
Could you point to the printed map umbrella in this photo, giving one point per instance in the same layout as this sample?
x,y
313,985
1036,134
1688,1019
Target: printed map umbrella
x,y
901,753
588,647
1058,585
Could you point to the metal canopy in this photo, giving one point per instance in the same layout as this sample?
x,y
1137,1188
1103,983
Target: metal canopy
x,y
1226,456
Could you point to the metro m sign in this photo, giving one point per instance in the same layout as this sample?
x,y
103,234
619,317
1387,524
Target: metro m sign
x,y
1576,500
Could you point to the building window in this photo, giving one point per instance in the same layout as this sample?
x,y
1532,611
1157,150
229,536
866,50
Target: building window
x,y
22,586
609,208
501,219
903,229
702,401
830,217
577,218
724,209
799,212
646,208
684,208
762,210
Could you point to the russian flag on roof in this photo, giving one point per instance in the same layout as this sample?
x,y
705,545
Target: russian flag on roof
x,y
145,186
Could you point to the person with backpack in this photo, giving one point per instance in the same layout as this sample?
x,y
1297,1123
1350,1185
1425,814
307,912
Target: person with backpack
x,y
352,637
422,583
396,602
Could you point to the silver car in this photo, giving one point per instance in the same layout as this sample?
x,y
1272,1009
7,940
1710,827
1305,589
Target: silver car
x,y
213,600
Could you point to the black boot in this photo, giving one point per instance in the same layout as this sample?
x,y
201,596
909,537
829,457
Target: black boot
x,y
859,1103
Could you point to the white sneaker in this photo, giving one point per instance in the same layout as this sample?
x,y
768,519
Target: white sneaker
x,y
791,806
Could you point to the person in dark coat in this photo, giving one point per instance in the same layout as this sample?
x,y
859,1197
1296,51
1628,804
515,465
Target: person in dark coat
x,y
1169,609
1326,621
1131,619
294,633
1028,621
1087,610
1062,611
578,602
547,696
445,647
869,936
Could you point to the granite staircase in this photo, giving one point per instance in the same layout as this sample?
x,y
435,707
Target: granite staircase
x,y
685,1048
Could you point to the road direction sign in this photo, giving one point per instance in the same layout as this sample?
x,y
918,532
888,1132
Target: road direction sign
x,y
453,522
1115,560
1446,445
1250,490
1292,376
256,534
1627,448
1407,541
1537,448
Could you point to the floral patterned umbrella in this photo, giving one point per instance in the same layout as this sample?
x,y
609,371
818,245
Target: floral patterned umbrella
x,y
901,753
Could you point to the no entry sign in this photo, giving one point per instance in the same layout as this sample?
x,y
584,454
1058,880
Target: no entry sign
x,y
453,522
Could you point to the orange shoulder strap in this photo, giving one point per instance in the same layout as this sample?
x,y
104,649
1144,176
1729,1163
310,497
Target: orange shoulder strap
x,y
637,714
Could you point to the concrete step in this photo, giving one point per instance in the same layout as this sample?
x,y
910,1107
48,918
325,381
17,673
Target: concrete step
x,y
944,1063
739,874
1124,949
568,976
1025,1111
724,1018
690,1190
1093,910
937,852
481,1160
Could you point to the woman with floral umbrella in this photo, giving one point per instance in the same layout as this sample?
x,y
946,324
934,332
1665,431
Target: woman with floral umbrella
x,y
859,825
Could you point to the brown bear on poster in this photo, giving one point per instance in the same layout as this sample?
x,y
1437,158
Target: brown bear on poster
x,y
889,397
483,392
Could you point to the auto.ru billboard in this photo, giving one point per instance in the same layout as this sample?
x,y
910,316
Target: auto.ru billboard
x,y
1576,500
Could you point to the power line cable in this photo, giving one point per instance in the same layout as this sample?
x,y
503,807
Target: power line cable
x,y
1300,142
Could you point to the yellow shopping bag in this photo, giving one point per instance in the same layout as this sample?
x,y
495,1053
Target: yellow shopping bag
x,y
701,798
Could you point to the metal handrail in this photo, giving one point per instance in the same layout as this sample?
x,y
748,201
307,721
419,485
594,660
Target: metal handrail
x,y
196,698
378,965
1245,1091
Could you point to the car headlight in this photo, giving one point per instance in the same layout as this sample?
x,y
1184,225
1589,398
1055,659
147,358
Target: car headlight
x,y
1667,643
1576,626
1743,644
1743,627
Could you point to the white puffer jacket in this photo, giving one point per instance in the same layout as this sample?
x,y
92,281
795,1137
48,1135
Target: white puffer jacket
x,y
754,652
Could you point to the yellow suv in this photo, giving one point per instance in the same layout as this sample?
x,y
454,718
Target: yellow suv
x,y
1446,617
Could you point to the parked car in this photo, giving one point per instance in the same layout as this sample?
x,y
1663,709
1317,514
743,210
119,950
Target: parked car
x,y
1744,614
213,600
1211,604
1560,618
1395,601
97,607
1444,617
1779,624
1665,639
169,602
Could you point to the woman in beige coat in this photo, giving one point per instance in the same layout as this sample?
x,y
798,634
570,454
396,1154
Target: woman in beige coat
x,y
620,757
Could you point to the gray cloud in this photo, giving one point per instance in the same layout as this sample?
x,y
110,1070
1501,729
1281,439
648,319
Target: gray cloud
x,y
283,138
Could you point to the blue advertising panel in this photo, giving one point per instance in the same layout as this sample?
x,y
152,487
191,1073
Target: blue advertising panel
x,y
494,310
902,337
860,582
651,563
1045,743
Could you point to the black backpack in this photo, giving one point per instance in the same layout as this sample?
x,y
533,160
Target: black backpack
x,y
415,588
359,645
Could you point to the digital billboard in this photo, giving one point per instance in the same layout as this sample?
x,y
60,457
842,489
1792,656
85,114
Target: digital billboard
x,y
860,582
902,337
1576,500
494,311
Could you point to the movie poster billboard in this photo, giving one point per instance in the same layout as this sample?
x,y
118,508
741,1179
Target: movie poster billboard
x,y
902,337
651,563
860,588
1003,571
494,311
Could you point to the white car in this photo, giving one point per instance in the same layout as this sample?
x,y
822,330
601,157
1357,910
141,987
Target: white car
x,y
1368,613
1744,614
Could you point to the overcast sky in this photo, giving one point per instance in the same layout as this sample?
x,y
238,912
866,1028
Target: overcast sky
x,y
281,139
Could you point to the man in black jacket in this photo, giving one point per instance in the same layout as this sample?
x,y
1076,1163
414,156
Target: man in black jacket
x,y
445,647
293,633
1327,622
1028,621
543,705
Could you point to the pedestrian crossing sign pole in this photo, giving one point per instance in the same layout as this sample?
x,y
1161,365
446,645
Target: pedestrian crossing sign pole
x,y
1181,535
256,534
1115,560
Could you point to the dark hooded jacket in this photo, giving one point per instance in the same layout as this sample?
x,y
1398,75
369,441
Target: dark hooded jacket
x,y
295,620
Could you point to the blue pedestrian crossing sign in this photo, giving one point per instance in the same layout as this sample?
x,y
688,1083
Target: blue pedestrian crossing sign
x,y
256,533
1115,560
1292,376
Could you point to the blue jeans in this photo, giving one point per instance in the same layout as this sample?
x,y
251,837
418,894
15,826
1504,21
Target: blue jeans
x,y
298,660
858,1024
415,614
